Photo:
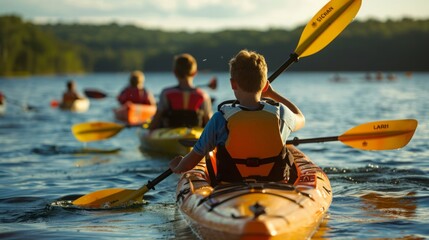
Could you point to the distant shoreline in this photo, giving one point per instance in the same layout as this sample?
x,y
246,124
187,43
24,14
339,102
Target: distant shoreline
x,y
81,48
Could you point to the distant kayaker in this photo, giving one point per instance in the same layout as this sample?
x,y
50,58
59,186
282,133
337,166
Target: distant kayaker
x,y
249,133
2,104
183,105
70,95
135,92
2,97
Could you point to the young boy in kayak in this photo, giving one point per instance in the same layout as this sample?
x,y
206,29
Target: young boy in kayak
x,y
70,95
183,105
249,133
135,92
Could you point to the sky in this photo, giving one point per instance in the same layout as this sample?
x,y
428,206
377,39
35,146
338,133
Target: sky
x,y
200,15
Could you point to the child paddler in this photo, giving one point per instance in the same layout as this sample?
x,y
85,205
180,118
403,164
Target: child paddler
x,y
250,132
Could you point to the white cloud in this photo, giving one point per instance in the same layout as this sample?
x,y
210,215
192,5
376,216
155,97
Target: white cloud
x,y
94,5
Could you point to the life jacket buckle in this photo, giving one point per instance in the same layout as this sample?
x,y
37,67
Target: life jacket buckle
x,y
252,162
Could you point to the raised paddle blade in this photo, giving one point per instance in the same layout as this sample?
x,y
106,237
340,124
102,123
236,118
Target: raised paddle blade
x,y
326,25
94,93
321,30
95,131
380,135
54,103
111,198
213,83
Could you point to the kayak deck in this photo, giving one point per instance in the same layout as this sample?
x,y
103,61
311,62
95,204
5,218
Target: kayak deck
x,y
167,140
256,210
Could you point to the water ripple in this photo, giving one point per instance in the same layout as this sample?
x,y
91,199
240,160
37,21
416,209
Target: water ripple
x,y
377,194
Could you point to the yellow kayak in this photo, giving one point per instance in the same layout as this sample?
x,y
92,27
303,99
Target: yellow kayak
x,y
256,210
166,140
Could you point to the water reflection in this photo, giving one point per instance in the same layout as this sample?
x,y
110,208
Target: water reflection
x,y
324,229
96,160
388,205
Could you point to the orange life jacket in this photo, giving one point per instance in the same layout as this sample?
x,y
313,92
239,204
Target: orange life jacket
x,y
254,147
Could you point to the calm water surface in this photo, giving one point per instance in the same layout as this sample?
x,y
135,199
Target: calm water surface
x,y
377,195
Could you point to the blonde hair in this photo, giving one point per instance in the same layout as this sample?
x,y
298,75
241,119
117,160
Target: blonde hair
x,y
185,65
249,70
136,78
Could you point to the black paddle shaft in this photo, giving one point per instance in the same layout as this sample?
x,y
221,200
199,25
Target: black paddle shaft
x,y
296,141
164,175
292,58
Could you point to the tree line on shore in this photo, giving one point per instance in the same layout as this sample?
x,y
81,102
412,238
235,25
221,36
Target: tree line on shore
x,y
28,48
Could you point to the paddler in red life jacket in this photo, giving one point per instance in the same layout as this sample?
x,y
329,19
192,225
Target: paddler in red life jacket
x,y
135,91
70,95
183,105
250,132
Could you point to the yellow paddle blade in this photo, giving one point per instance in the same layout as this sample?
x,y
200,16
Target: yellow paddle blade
x,y
326,25
111,198
380,135
118,197
95,131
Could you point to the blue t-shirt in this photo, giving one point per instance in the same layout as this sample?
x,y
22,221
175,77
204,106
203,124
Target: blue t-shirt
x,y
216,132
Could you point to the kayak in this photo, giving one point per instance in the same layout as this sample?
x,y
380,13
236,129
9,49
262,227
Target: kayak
x,y
166,140
256,210
134,114
79,105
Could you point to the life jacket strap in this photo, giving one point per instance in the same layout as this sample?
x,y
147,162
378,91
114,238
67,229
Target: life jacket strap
x,y
255,162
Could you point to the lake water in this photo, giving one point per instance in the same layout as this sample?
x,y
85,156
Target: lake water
x,y
377,194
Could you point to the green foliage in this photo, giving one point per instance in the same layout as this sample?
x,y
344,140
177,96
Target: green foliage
x,y
27,48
